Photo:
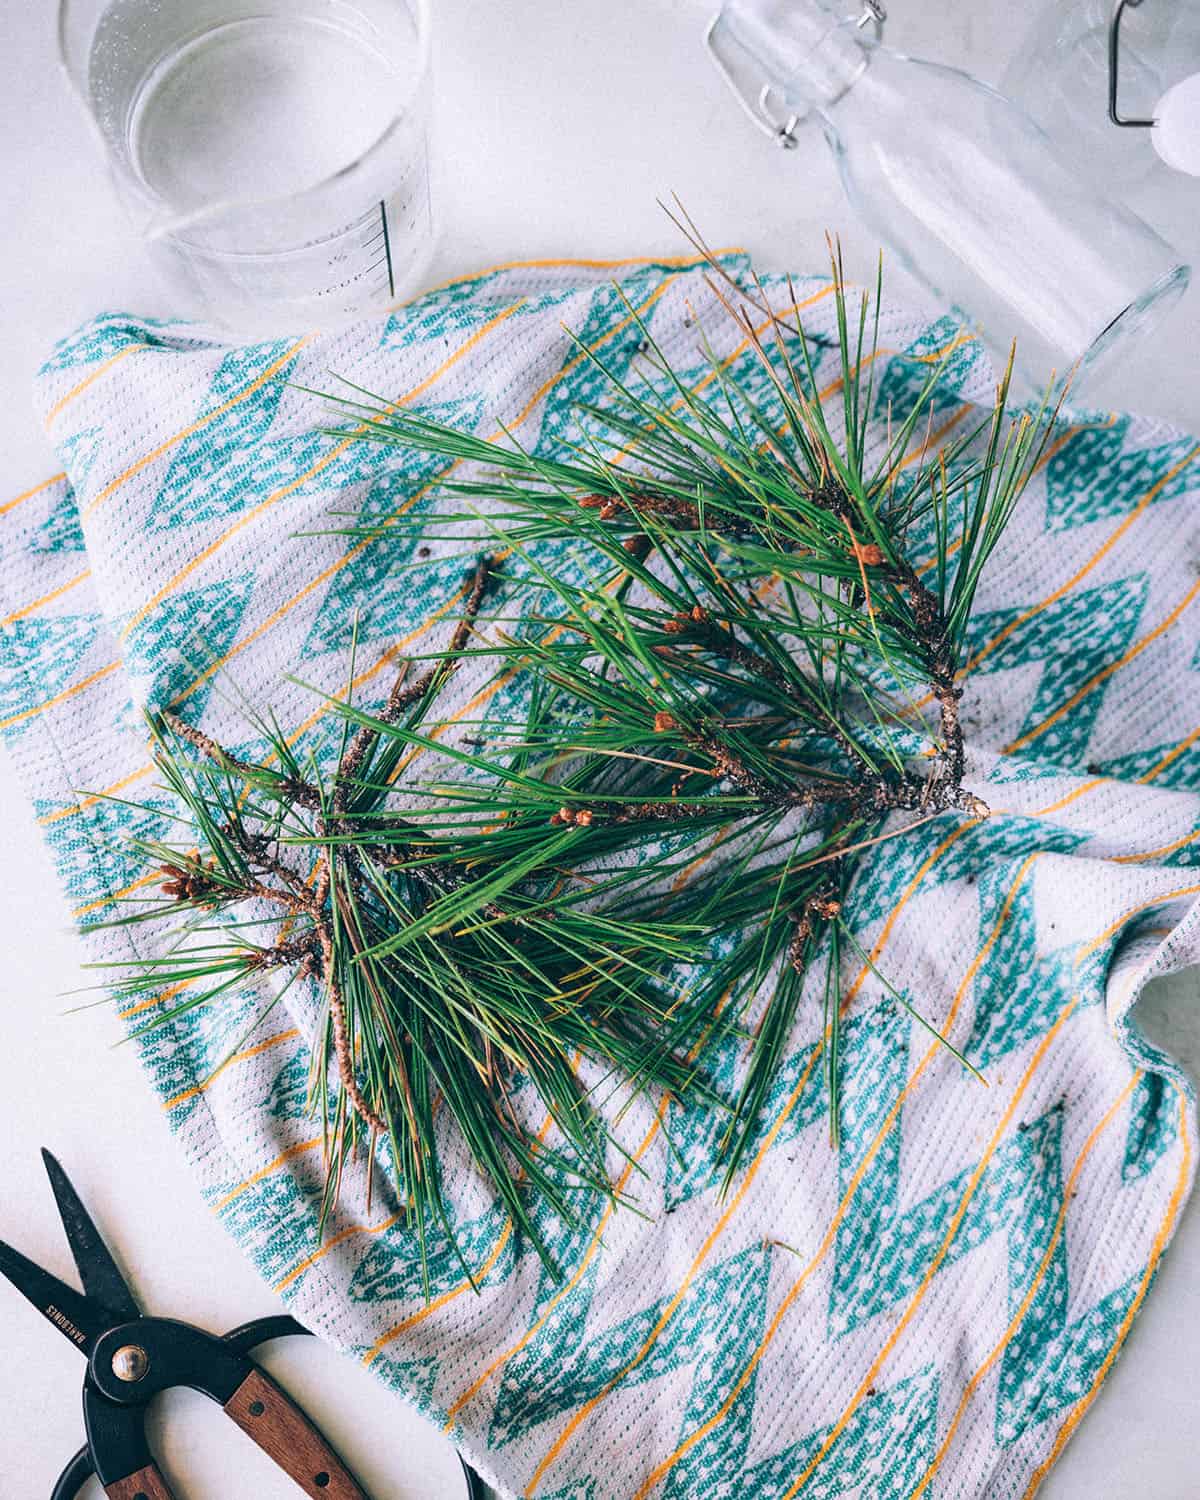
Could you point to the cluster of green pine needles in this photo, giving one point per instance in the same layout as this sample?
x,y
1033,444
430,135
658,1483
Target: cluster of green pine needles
x,y
732,633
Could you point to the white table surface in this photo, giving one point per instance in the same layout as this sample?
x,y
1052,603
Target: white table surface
x,y
559,127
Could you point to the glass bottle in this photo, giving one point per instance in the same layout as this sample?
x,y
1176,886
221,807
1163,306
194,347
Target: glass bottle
x,y
1060,76
961,184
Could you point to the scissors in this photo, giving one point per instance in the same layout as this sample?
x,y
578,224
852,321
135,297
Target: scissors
x,y
132,1358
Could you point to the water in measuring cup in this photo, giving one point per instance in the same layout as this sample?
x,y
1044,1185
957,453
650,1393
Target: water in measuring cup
x,y
259,108
233,116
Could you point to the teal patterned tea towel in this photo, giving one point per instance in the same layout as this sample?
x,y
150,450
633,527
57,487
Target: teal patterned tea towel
x,y
927,1312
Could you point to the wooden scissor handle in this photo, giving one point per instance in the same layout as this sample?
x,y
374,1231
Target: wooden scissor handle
x,y
146,1484
268,1416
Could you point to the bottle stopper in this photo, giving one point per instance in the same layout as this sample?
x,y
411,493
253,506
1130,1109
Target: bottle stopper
x,y
1176,132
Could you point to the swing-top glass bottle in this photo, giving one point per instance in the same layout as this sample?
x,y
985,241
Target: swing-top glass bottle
x,y
962,185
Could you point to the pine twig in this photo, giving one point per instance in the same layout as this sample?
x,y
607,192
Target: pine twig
x,y
749,597
300,792
404,695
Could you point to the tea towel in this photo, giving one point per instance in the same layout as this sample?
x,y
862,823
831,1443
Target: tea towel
x,y
930,1310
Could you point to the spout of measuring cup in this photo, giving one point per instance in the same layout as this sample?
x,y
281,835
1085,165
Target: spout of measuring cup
x,y
76,28
74,37
83,42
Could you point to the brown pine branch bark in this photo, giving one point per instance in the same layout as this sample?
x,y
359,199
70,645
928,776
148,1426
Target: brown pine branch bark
x,y
302,793
940,792
314,952
403,694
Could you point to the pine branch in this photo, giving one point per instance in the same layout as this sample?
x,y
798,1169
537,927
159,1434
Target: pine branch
x,y
753,603
716,736
435,964
299,792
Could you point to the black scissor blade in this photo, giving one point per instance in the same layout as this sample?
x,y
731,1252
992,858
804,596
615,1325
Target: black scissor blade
x,y
102,1281
75,1316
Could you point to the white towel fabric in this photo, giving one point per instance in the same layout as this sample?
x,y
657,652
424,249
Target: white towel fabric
x,y
931,1310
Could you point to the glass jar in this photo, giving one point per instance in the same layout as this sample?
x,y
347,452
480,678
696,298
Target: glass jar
x,y
273,153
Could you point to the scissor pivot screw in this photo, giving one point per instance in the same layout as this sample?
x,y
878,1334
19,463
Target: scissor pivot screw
x,y
130,1363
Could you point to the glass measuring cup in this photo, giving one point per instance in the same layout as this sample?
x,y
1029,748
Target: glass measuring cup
x,y
273,153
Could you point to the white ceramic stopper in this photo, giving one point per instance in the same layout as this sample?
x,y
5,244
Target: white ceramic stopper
x,y
1176,133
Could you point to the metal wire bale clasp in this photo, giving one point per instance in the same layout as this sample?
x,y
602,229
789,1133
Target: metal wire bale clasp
x,y
758,102
1114,67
